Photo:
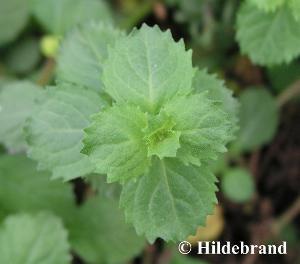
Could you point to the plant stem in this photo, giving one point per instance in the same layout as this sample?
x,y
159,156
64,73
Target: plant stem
x,y
47,72
288,94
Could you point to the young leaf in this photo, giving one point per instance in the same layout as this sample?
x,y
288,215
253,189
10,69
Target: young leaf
x,y
22,188
114,142
205,129
258,119
99,231
237,185
170,201
33,239
268,38
59,16
148,68
17,101
83,52
55,131
13,17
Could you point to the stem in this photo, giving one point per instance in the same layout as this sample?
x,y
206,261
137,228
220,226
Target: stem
x,y
289,93
47,72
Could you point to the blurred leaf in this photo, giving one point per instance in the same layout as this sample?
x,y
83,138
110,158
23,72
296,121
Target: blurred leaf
x,y
59,16
13,18
237,185
33,239
100,235
283,76
258,119
213,228
17,101
24,189
83,52
24,56
54,132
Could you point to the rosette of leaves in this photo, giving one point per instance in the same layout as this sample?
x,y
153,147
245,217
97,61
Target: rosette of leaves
x,y
159,133
162,123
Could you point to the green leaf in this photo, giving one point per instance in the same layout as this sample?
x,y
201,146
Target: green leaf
x,y
205,128
99,233
216,91
83,52
170,201
295,7
268,5
238,185
147,68
258,119
17,102
114,142
13,18
33,239
59,16
55,131
23,56
268,38
22,188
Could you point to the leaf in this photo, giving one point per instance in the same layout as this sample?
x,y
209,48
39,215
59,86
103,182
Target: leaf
x,y
13,18
268,38
258,119
268,5
216,91
33,239
17,102
170,201
238,185
83,52
22,188
295,7
55,131
99,232
205,128
24,56
114,142
147,68
59,16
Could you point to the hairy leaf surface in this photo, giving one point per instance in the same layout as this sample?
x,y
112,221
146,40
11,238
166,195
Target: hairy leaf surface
x,y
100,235
55,131
59,16
170,201
114,142
33,239
83,52
268,38
17,102
147,68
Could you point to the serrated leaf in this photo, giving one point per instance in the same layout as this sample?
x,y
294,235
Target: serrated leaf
x,y
268,38
268,5
205,128
33,239
17,102
238,185
13,17
258,119
170,201
23,188
100,235
114,142
59,16
216,91
55,130
83,52
147,68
